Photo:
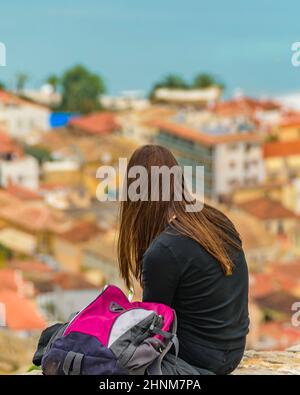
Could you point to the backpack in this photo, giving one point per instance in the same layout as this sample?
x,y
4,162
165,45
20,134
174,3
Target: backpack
x,y
111,336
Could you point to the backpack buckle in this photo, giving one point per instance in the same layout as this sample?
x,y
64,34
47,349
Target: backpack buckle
x,y
115,307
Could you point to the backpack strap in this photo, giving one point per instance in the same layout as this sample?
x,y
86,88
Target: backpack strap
x,y
158,331
47,338
155,368
127,353
169,336
72,363
175,343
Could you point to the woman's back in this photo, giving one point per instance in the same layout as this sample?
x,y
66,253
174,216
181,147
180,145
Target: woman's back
x,y
196,264
212,309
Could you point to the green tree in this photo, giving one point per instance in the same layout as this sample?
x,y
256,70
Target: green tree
x,y
5,254
81,90
42,154
21,80
205,80
2,86
54,81
171,81
174,81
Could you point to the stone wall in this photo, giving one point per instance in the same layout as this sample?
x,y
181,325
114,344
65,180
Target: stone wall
x,y
15,352
271,362
260,363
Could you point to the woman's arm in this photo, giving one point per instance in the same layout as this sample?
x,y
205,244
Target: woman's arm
x,y
160,275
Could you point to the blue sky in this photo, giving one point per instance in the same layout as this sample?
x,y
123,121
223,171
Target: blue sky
x,y
133,43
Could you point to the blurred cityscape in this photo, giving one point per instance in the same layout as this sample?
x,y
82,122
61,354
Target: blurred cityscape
x,y
58,242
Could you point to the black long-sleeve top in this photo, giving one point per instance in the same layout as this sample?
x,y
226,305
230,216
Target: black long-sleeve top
x,y
211,308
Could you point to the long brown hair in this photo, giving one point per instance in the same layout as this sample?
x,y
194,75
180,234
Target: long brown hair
x,y
142,221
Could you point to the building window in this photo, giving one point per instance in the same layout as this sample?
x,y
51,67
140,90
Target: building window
x,y
250,163
248,147
233,182
251,181
280,228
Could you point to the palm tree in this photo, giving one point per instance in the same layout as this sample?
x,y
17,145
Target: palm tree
x,y
205,80
171,81
174,81
21,80
54,81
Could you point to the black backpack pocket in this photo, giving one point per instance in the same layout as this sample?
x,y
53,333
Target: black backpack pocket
x,y
80,354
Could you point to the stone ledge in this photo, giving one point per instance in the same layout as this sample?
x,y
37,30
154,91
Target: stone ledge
x,y
260,363
270,362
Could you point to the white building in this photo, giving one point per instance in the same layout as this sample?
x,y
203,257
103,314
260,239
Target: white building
x,y
20,117
60,304
65,293
237,164
22,171
230,153
192,97
133,100
46,95
15,166
290,101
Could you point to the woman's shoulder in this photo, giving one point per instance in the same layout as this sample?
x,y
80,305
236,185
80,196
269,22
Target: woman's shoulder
x,y
161,242
168,237
161,250
172,242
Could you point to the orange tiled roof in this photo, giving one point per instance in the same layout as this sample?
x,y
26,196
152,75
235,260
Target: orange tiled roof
x,y
281,149
66,281
264,208
21,313
96,123
22,193
34,216
244,105
290,120
203,138
71,281
81,231
287,270
252,231
278,301
28,266
4,137
284,336
5,97
261,284
8,98
6,199
8,279
277,278
8,145
52,186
